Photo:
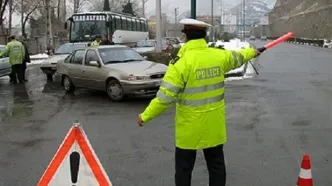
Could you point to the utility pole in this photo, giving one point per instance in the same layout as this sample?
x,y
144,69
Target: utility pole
x,y
143,5
50,13
244,19
193,9
10,17
22,14
176,13
76,2
65,10
212,30
158,30
221,17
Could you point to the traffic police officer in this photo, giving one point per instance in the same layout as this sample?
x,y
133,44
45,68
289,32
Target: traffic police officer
x,y
16,52
195,82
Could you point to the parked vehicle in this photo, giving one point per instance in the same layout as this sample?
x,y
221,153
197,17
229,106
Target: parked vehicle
x,y
5,67
174,41
327,43
49,65
145,46
252,38
263,38
116,69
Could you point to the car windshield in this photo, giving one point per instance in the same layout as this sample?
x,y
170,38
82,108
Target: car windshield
x,y
119,55
69,48
145,44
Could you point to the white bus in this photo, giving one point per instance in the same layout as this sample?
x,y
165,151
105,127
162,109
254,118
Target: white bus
x,y
123,28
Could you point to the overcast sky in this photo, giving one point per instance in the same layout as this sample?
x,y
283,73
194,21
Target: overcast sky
x,y
203,6
168,6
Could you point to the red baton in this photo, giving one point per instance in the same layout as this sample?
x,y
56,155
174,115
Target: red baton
x,y
277,41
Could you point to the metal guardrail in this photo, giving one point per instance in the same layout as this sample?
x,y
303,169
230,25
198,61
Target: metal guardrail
x,y
305,41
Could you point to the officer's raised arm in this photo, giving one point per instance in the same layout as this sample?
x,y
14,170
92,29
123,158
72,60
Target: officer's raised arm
x,y
237,58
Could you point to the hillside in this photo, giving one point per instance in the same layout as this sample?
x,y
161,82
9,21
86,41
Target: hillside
x,y
254,10
307,18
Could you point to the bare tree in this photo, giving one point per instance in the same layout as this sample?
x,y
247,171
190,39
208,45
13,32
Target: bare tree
x,y
78,5
3,7
116,5
27,8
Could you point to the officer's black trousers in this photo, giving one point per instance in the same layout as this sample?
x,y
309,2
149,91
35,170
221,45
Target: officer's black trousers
x,y
17,73
185,161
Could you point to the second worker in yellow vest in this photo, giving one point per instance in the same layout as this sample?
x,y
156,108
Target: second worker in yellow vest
x,y
195,82
97,41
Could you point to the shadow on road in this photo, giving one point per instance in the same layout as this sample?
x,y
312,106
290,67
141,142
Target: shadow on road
x,y
86,95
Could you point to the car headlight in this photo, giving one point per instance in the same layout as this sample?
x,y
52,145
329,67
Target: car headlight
x,y
138,78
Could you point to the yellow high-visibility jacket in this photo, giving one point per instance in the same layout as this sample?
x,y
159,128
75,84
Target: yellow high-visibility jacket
x,y
95,43
195,82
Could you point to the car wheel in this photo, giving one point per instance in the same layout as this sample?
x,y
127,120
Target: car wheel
x,y
68,85
115,91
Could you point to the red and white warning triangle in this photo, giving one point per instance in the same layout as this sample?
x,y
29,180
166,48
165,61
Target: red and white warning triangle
x,y
75,163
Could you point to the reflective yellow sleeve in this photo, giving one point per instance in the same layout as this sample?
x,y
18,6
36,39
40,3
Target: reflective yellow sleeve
x,y
6,51
236,59
169,89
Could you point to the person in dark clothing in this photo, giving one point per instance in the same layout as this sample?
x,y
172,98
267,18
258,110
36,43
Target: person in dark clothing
x,y
106,41
26,58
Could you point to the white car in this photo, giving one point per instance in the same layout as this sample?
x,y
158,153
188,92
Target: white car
x,y
327,43
49,65
145,46
5,67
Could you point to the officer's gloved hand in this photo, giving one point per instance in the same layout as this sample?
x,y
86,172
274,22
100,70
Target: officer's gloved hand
x,y
259,51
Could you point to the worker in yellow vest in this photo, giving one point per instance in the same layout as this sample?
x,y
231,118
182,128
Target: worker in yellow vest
x,y
195,82
97,41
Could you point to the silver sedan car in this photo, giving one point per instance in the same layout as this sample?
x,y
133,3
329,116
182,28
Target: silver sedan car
x,y
118,70
5,66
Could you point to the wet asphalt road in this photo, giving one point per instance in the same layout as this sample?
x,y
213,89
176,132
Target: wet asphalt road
x,y
273,119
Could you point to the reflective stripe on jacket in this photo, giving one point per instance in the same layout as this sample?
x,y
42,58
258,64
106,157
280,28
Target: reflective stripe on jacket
x,y
196,83
15,51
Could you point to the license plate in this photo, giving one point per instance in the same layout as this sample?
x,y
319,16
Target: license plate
x,y
157,83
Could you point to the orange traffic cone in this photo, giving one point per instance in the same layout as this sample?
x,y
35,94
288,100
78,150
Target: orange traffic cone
x,y
305,177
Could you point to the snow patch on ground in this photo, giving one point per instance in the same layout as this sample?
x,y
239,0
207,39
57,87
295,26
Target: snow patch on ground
x,y
34,62
38,56
235,45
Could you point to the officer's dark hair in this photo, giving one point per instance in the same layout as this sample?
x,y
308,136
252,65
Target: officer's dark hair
x,y
11,37
194,33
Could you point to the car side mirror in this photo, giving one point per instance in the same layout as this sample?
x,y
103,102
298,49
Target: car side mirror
x,y
94,63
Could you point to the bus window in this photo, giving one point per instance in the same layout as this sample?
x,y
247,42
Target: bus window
x,y
124,23
142,26
138,25
145,26
118,23
130,24
113,22
134,24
